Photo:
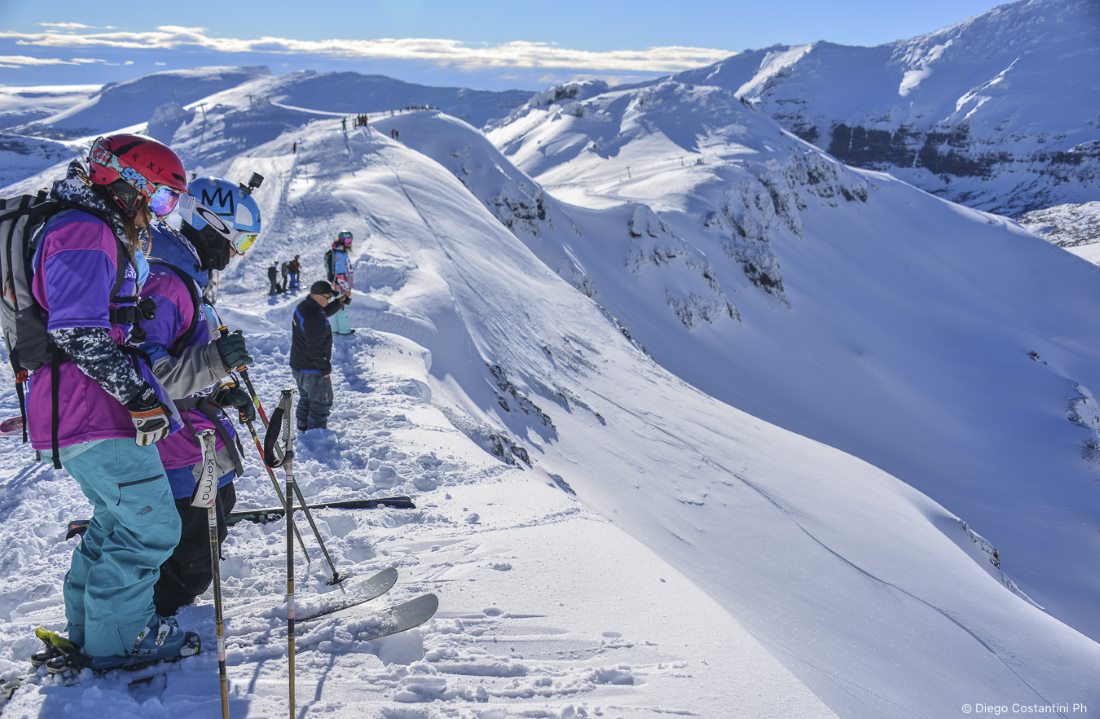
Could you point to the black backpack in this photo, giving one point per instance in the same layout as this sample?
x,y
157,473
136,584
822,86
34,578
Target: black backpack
x,y
22,319
330,265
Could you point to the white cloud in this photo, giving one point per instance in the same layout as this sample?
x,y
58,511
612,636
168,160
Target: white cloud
x,y
17,61
65,25
517,54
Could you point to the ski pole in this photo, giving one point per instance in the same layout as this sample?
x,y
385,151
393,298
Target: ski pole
x,y
286,404
243,372
207,496
337,575
274,480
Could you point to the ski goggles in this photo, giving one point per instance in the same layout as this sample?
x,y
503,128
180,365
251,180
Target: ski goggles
x,y
162,198
243,240
163,201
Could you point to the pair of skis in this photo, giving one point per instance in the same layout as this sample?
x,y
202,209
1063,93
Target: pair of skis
x,y
270,514
393,620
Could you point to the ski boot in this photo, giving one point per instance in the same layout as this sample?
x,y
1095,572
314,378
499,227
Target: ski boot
x,y
161,641
54,645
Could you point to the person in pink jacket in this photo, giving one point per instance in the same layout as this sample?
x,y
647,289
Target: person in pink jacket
x,y
99,404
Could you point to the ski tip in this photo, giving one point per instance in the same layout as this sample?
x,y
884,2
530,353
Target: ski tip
x,y
429,603
388,572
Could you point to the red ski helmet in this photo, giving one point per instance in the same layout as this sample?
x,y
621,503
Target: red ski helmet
x,y
132,166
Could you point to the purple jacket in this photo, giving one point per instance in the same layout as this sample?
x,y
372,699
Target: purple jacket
x,y
74,271
196,361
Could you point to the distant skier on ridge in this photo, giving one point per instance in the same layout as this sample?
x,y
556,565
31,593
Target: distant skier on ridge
x,y
341,276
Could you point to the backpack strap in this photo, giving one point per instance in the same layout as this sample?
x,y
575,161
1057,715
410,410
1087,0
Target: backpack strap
x,y
192,291
55,418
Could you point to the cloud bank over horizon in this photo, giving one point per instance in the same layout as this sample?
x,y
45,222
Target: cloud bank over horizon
x,y
515,63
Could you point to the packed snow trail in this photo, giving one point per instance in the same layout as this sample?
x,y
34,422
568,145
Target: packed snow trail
x,y
520,629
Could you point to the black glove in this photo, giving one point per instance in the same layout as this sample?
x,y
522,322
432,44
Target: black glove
x,y
237,397
346,299
150,417
232,349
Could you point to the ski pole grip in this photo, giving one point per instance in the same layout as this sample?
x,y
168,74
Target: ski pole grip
x,y
206,491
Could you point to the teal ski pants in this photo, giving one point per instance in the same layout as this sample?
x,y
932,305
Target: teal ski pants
x,y
134,528
341,321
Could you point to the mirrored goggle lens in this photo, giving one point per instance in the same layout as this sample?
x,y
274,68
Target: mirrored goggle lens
x,y
242,242
344,236
163,201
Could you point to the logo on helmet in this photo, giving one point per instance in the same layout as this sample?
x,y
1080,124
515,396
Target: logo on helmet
x,y
222,197
211,218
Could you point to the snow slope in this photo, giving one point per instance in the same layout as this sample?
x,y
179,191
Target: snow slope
x,y
608,539
761,519
749,512
999,112
23,104
121,104
945,346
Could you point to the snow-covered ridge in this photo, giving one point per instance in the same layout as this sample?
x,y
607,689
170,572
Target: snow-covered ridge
x,y
994,112
839,282
690,477
23,104
124,104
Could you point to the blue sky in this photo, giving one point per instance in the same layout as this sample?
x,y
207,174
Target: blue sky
x,y
492,44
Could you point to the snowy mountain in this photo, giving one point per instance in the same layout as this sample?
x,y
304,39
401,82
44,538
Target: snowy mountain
x,y
1000,112
21,105
698,420
22,156
210,114
124,104
844,306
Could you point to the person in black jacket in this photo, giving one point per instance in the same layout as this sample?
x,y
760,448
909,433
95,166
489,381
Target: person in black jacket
x,y
311,354
272,277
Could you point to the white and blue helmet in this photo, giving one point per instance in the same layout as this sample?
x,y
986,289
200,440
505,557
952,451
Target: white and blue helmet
x,y
218,215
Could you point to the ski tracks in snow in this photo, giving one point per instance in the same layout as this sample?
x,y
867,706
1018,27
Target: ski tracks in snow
x,y
523,629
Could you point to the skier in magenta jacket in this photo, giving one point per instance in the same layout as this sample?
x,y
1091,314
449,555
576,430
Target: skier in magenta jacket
x,y
220,220
102,402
